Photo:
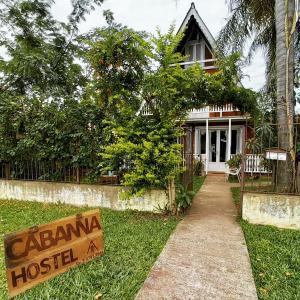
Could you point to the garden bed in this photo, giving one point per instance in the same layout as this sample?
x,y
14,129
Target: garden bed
x,y
275,258
133,240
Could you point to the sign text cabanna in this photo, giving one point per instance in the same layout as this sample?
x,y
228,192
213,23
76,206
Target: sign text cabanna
x,y
41,252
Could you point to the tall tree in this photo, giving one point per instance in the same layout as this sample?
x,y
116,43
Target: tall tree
x,y
42,83
273,26
254,21
286,18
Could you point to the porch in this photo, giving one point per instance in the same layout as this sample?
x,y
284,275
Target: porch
x,y
252,164
214,142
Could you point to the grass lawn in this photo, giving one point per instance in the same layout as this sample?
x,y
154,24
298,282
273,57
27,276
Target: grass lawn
x,y
197,183
248,179
275,259
133,241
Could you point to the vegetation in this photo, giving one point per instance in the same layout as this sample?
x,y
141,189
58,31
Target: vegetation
x,y
147,145
235,161
133,241
275,27
250,21
197,183
199,167
286,20
236,195
75,99
43,114
184,197
275,258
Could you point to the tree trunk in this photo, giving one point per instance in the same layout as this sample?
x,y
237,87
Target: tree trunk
x,y
284,10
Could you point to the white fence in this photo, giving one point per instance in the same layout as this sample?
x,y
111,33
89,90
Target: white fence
x,y
253,164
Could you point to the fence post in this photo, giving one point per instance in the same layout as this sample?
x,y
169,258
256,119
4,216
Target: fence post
x,y
77,175
7,171
242,183
172,196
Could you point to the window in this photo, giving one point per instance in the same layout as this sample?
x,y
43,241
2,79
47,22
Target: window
x,y
235,141
200,141
193,51
189,51
203,142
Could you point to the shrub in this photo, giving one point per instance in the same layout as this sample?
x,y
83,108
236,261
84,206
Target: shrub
x,y
184,197
199,167
235,161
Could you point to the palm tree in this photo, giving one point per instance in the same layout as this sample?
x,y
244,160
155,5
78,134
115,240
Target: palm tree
x,y
286,18
271,25
251,20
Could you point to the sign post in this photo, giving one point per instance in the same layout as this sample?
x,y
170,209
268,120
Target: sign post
x,y
39,253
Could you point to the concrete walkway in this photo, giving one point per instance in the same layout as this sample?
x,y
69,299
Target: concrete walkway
x,y
206,257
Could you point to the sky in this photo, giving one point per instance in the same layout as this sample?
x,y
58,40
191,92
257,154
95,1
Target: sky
x,y
148,15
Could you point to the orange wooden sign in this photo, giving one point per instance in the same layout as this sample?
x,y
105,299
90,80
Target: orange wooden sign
x,y
42,252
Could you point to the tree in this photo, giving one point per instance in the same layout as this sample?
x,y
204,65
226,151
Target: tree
x,y
145,148
285,28
274,26
251,21
43,115
68,115
41,53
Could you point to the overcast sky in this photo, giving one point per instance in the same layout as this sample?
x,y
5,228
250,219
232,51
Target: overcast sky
x,y
149,14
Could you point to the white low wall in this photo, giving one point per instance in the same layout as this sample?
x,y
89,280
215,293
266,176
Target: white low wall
x,y
81,195
272,209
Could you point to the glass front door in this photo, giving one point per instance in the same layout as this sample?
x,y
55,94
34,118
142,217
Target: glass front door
x,y
223,145
217,149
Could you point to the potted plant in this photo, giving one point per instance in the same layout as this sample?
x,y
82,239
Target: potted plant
x,y
235,161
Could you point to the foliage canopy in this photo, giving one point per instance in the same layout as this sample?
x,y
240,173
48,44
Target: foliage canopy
x,y
75,99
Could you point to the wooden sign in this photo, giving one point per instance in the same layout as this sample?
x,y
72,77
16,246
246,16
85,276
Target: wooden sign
x,y
39,253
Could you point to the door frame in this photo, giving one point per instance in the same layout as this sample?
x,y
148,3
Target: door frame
x,y
210,168
217,165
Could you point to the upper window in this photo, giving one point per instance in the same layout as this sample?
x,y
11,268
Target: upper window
x,y
194,51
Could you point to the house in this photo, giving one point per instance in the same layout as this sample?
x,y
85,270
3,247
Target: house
x,y
213,133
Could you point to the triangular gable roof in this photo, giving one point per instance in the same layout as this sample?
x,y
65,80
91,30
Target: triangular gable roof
x,y
193,12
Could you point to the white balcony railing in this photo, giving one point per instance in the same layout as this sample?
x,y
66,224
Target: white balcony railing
x,y
195,113
204,113
216,108
203,63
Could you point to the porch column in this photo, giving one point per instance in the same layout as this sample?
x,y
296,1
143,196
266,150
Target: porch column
x,y
206,148
229,140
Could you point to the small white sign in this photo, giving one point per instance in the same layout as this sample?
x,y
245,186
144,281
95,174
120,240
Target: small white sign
x,y
276,155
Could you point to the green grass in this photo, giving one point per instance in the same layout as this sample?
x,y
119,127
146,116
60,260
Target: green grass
x,y
133,241
249,179
197,183
236,195
275,259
